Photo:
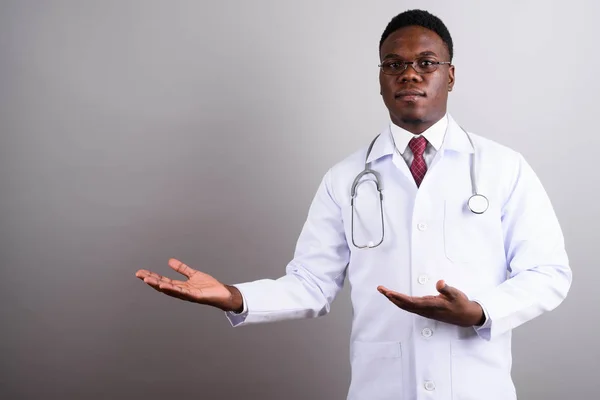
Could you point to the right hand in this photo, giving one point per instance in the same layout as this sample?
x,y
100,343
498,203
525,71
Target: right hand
x,y
199,288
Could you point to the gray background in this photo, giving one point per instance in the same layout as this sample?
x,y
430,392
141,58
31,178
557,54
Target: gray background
x,y
135,131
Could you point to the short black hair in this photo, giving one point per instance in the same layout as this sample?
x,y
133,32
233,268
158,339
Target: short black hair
x,y
419,18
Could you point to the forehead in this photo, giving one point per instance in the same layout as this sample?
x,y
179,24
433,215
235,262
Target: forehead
x,y
411,41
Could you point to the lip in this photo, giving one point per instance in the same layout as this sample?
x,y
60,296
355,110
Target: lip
x,y
409,93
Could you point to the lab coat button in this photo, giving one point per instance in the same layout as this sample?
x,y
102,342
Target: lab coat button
x,y
422,226
427,332
429,385
422,279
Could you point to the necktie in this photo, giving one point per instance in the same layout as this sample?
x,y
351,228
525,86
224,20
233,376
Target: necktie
x,y
418,168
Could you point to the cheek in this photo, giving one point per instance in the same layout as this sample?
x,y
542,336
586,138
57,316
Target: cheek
x,y
386,83
440,88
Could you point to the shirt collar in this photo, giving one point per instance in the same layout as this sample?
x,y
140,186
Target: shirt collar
x,y
434,134
447,135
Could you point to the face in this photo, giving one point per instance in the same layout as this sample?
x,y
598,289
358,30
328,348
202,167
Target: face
x,y
416,101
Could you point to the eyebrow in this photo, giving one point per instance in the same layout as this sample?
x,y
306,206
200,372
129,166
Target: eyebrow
x,y
421,54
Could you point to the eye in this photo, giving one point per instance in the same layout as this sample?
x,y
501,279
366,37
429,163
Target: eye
x,y
394,65
425,62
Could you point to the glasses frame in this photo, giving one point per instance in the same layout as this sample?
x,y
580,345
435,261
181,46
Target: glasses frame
x,y
412,64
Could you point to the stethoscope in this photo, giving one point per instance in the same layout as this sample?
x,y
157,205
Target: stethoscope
x,y
477,203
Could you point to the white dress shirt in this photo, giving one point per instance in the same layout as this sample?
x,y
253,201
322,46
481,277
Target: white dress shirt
x,y
434,135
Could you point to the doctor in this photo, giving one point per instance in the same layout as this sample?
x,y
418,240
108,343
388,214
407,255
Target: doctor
x,y
436,287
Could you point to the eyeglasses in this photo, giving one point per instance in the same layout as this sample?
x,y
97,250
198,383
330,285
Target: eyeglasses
x,y
421,65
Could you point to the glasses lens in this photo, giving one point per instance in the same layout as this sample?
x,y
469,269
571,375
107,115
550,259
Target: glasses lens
x,y
425,65
393,67
397,67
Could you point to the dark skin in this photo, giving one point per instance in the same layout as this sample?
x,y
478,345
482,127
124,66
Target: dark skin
x,y
416,113
413,112
198,288
416,102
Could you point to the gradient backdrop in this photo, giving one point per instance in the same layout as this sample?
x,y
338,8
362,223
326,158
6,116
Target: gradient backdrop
x,y
135,131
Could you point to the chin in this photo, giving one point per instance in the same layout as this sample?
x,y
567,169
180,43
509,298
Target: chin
x,y
412,118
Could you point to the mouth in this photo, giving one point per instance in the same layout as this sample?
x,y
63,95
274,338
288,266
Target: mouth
x,y
409,94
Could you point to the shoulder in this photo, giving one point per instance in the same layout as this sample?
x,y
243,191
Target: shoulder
x,y
340,176
354,162
496,156
504,166
493,148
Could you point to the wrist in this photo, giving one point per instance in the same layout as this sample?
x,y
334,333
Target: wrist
x,y
236,301
478,314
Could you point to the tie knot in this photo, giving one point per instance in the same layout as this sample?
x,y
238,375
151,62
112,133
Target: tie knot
x,y
417,145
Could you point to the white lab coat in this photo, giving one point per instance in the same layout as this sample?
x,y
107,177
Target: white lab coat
x,y
511,259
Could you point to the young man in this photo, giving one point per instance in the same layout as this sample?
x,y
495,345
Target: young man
x,y
439,279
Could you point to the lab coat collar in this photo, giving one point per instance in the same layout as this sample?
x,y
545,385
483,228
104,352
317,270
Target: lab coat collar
x,y
383,145
455,139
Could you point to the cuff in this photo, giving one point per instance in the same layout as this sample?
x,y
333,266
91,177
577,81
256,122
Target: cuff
x,y
238,318
484,330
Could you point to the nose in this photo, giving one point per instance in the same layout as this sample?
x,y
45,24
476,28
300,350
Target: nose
x,y
410,75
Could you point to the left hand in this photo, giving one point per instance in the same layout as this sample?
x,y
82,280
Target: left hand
x,y
451,305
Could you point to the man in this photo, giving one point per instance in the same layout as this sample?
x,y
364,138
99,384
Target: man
x,y
436,288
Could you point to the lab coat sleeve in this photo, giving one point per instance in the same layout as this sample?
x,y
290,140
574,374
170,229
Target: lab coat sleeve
x,y
539,271
313,277
238,318
486,323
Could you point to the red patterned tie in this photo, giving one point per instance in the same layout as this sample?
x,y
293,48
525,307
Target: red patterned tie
x,y
418,168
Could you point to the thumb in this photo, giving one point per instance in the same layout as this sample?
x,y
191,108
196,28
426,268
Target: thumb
x,y
181,267
447,290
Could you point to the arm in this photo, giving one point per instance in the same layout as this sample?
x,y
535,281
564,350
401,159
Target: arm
x,y
314,276
540,276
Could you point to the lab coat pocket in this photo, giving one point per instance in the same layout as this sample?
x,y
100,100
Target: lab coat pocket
x,y
480,370
468,236
376,371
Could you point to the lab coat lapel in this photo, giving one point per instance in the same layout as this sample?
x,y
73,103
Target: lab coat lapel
x,y
456,139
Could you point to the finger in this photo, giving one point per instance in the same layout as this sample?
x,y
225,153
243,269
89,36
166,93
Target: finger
x,y
400,297
174,285
178,291
162,279
142,273
425,303
383,290
152,281
447,290
156,278
420,305
439,285
167,288
400,300
387,292
402,304
181,268
427,312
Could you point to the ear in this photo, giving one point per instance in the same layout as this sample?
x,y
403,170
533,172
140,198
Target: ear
x,y
450,78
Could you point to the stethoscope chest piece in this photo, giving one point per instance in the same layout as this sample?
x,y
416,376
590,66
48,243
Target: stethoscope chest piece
x,y
478,203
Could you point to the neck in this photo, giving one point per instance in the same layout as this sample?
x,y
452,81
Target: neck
x,y
416,126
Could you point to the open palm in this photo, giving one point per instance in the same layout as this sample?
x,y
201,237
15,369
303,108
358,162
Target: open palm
x,y
199,287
